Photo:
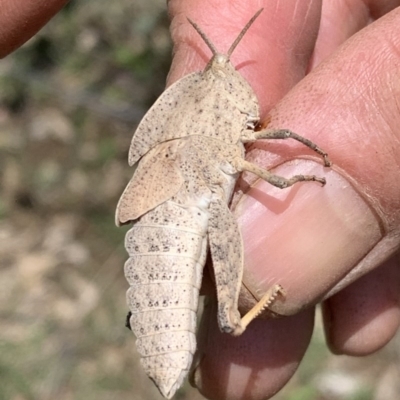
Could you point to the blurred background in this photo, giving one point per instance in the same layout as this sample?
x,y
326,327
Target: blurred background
x,y
70,100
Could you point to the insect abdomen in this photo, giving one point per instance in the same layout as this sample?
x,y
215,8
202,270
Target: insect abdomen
x,y
164,272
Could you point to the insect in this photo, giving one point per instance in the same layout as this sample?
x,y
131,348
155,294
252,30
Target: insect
x,y
189,152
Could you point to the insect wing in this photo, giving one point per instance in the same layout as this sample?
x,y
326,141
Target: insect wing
x,y
155,181
157,125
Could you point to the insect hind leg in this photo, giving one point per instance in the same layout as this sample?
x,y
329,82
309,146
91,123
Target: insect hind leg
x,y
227,256
269,297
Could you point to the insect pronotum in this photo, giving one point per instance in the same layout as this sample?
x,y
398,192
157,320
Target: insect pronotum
x,y
189,151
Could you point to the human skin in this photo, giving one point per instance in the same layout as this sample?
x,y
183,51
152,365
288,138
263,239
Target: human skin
x,y
21,19
336,242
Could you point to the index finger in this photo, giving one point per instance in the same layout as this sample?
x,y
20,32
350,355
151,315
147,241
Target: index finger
x,y
273,55
21,19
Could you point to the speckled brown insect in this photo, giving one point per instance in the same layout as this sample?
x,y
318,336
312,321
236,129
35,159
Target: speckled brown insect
x,y
189,151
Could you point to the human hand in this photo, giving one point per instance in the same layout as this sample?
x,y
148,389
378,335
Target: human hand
x,y
21,19
316,242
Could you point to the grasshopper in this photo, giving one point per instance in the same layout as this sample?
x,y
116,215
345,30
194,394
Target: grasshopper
x,y
189,152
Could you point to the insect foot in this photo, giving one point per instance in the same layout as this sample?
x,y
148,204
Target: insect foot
x,y
188,151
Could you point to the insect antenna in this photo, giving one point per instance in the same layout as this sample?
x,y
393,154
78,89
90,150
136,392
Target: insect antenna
x,y
204,37
243,32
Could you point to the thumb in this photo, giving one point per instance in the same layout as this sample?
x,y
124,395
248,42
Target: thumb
x,y
315,240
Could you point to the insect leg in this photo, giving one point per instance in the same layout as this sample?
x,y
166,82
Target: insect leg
x,y
268,298
279,181
287,134
227,255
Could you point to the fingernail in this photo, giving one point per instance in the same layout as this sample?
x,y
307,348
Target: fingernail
x,y
306,237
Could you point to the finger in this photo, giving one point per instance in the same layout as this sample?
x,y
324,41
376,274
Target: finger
x,y
341,19
363,317
255,365
308,238
272,56
21,19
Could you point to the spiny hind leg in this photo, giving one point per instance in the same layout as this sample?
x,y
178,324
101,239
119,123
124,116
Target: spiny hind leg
x,y
269,297
279,181
226,249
